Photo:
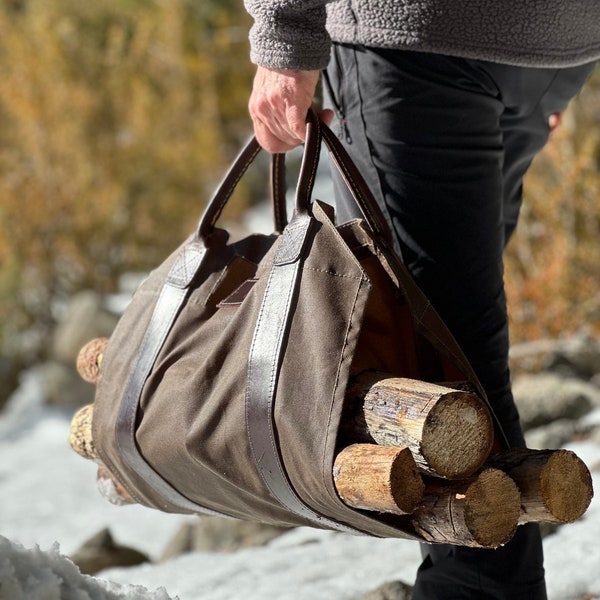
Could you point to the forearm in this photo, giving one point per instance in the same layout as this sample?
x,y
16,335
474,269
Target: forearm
x,y
289,34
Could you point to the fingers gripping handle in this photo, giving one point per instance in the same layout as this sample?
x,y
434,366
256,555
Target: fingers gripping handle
x,y
316,133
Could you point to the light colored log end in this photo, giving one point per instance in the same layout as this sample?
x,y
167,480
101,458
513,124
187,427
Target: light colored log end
x,y
378,478
90,359
80,434
492,508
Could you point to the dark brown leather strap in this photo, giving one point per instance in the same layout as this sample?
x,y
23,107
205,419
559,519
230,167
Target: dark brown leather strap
x,y
278,192
227,186
215,207
170,301
268,346
316,133
358,188
271,337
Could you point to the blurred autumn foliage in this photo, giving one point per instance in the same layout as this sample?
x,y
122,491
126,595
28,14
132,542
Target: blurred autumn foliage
x,y
117,117
553,261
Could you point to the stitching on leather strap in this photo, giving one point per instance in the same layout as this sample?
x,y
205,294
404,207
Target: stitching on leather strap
x,y
168,305
267,349
225,199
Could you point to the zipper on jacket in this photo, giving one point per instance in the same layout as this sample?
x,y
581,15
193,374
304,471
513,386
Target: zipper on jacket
x,y
338,103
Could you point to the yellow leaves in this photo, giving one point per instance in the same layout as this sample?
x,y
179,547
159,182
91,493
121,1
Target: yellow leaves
x,y
116,118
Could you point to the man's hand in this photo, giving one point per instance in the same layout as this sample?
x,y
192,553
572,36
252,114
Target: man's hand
x,y
278,105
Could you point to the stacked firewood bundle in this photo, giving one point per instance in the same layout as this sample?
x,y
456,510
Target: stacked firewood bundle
x,y
424,451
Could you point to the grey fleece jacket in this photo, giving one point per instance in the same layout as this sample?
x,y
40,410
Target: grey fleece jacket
x,y
297,34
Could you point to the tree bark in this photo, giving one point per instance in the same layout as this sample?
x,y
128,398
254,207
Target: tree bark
x,y
555,485
481,512
449,432
378,478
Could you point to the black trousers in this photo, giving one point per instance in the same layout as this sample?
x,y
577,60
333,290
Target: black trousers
x,y
444,143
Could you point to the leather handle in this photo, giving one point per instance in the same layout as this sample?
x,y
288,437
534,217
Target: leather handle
x,y
278,192
359,189
316,133
216,205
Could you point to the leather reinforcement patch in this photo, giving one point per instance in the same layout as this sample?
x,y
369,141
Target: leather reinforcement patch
x,y
237,296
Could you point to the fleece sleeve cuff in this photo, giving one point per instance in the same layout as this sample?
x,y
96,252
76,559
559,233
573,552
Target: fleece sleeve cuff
x,y
289,34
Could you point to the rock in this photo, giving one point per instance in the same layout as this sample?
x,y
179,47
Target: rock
x,y
576,356
101,552
547,529
85,319
546,397
10,368
392,590
551,436
215,534
64,387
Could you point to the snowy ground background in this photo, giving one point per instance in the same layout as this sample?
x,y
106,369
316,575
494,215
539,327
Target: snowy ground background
x,y
48,496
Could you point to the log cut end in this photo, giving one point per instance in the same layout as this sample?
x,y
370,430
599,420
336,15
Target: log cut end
x,y
566,486
492,508
555,485
80,434
378,478
449,431
90,359
457,435
482,512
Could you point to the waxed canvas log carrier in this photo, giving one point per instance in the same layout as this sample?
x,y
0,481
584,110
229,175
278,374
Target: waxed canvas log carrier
x,y
223,383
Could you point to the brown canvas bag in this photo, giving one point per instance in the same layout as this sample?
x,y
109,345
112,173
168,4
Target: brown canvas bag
x,y
223,384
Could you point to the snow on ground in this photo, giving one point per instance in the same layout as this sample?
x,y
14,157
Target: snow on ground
x,y
48,496
301,565
33,574
48,493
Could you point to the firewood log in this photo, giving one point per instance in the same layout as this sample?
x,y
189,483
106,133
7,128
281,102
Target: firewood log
x,y
378,478
81,441
449,431
89,359
555,485
80,434
481,512
111,489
